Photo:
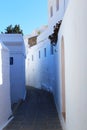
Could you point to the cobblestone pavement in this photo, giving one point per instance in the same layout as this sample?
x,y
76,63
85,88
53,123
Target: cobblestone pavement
x,y
37,112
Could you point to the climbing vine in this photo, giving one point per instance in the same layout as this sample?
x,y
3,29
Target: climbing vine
x,y
54,36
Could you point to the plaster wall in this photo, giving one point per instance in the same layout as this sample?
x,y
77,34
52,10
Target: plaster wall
x,y
17,77
5,101
73,31
40,71
15,44
57,16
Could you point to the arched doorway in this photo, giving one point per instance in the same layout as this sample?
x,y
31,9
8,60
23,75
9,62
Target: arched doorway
x,y
63,78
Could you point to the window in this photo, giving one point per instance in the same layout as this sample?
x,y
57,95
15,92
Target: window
x,y
11,60
45,52
39,54
51,49
51,11
32,57
57,4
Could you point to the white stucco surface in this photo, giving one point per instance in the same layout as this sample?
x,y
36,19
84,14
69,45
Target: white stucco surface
x,y
15,44
74,30
47,71
5,100
40,72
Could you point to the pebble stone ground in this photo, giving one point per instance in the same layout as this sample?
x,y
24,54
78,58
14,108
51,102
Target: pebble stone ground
x,y
37,112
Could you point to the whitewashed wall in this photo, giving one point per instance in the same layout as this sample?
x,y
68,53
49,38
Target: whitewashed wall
x,y
40,71
57,14
73,31
5,101
16,46
17,77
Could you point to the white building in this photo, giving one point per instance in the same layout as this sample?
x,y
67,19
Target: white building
x,y
15,44
39,69
36,32
41,58
27,38
72,49
5,101
62,69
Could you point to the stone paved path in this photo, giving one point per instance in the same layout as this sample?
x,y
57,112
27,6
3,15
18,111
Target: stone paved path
x,y
37,112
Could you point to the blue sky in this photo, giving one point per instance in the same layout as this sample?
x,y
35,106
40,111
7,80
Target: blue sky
x,y
30,14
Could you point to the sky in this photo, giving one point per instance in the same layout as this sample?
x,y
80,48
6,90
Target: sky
x,y
29,14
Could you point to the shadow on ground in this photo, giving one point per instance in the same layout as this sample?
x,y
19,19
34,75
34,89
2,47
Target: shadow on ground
x,y
37,112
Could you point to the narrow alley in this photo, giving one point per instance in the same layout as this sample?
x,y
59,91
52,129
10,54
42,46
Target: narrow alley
x,y
37,112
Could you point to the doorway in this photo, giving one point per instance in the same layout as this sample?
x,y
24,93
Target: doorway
x,y
63,78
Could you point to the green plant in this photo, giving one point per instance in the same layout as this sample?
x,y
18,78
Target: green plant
x,y
15,29
54,36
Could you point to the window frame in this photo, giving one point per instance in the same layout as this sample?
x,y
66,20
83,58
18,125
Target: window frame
x,y
51,49
45,54
11,60
32,57
51,11
39,54
57,5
